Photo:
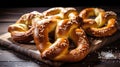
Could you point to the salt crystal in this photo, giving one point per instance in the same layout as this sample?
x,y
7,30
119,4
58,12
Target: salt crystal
x,y
107,55
97,42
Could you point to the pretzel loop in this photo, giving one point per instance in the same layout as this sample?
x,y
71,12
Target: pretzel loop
x,y
65,28
22,30
104,24
59,32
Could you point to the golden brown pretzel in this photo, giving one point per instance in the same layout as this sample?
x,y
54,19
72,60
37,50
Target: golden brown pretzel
x,y
104,24
56,12
62,26
65,29
59,50
22,30
61,13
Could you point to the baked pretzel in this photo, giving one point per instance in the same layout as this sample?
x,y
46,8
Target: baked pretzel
x,y
22,30
54,29
61,13
56,12
65,29
104,23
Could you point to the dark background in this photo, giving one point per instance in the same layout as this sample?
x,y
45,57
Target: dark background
x,y
52,3
11,10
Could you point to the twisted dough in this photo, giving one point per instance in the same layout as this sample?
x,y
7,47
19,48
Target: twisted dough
x,y
61,13
65,28
104,24
22,30
62,25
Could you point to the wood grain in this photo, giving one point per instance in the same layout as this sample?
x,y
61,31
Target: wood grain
x,y
30,48
11,15
27,49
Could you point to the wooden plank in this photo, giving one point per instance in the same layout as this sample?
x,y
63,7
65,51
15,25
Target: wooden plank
x,y
26,49
30,49
4,27
89,60
21,64
13,14
8,55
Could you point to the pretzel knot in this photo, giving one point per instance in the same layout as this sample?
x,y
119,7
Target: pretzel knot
x,y
22,30
104,23
65,30
61,13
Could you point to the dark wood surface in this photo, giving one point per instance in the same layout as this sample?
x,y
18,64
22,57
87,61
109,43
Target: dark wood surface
x,y
10,58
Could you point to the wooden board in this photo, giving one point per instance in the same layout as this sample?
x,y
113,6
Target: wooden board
x,y
31,51
27,49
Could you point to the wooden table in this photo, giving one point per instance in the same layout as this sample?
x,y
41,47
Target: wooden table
x,y
9,58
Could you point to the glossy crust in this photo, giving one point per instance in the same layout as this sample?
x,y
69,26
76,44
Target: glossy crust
x,y
65,29
104,23
63,25
61,13
58,51
22,30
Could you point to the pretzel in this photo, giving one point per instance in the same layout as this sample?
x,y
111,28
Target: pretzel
x,y
22,30
61,13
65,28
56,12
57,29
104,24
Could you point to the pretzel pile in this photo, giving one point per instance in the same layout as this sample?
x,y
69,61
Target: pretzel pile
x,y
56,29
